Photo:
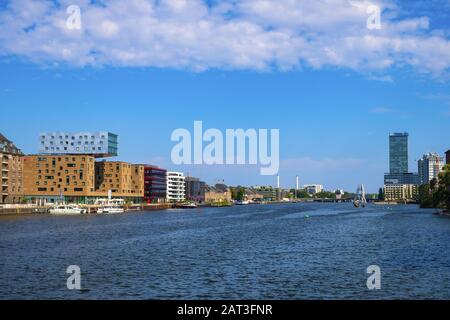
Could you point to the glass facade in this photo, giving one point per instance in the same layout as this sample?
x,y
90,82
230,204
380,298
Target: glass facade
x,y
155,184
97,144
398,153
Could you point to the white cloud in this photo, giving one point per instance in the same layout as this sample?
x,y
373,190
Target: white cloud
x,y
243,34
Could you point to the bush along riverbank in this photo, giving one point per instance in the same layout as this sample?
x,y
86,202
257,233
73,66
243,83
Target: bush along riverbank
x,y
436,194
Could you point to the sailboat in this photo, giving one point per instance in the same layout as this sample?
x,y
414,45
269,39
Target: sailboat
x,y
360,198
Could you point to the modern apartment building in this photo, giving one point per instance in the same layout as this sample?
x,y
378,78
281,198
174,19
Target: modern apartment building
x,y
429,167
398,152
11,172
401,192
125,180
97,144
447,157
78,178
195,189
51,177
176,187
155,184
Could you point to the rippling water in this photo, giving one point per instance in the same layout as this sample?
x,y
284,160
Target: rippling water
x,y
243,252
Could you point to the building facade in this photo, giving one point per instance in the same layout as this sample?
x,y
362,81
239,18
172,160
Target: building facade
x,y
401,192
219,193
269,193
125,180
155,184
97,144
401,178
195,189
79,179
398,152
447,157
11,172
176,187
313,188
429,167
52,177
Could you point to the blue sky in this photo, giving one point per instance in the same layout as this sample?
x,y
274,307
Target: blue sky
x,y
334,106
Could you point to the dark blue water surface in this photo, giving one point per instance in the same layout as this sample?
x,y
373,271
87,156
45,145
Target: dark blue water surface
x,y
242,252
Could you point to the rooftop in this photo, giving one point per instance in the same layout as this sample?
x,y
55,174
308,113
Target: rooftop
x,y
6,146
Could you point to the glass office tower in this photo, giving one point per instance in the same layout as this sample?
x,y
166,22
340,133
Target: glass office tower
x,y
398,152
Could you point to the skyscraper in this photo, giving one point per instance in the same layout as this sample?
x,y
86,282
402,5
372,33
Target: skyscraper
x,y
399,184
398,152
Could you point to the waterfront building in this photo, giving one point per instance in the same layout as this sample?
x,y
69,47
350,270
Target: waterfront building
x,y
253,195
176,187
401,192
429,167
269,193
125,180
447,157
195,189
97,144
313,188
51,177
78,178
155,184
219,193
11,172
398,152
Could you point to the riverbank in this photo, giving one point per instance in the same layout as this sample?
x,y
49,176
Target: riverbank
x,y
91,209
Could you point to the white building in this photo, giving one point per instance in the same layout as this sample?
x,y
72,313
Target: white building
x,y
313,188
429,167
176,187
400,192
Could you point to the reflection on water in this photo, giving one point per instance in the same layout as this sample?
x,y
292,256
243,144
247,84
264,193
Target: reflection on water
x,y
291,251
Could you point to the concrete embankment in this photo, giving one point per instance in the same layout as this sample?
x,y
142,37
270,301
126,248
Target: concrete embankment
x,y
91,209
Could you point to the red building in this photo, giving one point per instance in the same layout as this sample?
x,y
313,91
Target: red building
x,y
155,184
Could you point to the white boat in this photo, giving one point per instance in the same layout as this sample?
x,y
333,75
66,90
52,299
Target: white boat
x,y
242,202
67,209
110,206
110,209
187,205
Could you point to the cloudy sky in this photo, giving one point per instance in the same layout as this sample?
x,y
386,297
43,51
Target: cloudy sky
x,y
314,69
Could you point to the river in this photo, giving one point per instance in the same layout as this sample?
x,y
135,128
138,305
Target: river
x,y
283,251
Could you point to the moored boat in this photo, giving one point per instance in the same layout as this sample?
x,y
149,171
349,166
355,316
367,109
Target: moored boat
x,y
66,209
